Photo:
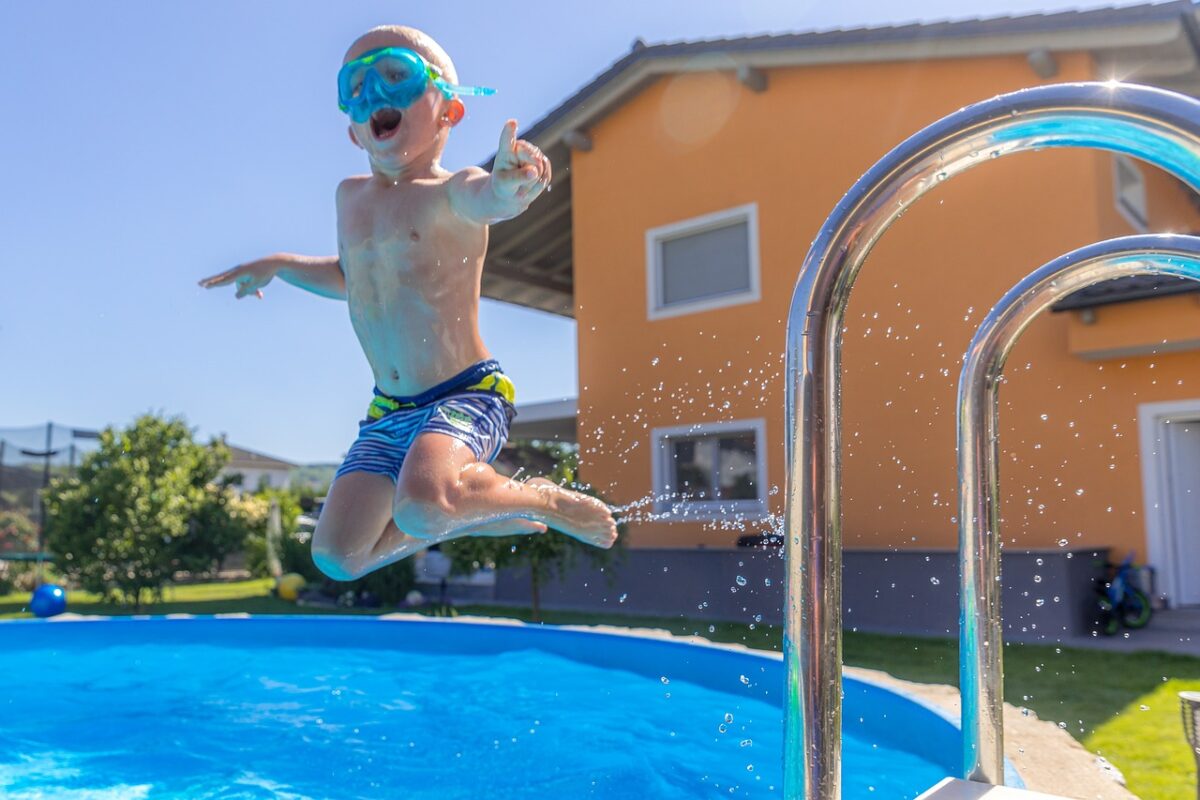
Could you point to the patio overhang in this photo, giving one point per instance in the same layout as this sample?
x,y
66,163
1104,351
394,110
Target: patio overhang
x,y
529,258
547,421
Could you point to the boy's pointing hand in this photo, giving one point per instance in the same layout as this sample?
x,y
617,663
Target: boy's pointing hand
x,y
521,170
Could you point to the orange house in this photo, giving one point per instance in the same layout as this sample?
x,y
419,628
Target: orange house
x,y
690,181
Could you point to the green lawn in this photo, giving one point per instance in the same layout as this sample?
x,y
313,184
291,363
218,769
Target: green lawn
x,y
1122,705
238,597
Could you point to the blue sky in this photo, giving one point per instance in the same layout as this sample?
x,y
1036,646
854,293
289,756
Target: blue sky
x,y
149,144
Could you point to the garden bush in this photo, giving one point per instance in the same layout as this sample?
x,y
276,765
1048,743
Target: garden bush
x,y
145,505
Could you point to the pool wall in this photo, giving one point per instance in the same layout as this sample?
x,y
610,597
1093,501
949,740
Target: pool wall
x,y
885,591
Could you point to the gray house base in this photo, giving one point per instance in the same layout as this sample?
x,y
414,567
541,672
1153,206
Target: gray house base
x,y
1048,594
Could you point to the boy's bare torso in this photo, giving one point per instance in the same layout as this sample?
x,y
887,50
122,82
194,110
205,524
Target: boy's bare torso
x,y
413,269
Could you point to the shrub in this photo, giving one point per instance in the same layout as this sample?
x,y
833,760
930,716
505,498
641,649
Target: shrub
x,y
18,533
18,576
389,585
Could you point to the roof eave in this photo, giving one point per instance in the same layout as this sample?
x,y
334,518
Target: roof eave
x,y
641,66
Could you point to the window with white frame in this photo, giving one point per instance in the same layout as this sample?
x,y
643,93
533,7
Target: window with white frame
x,y
703,263
711,471
1129,186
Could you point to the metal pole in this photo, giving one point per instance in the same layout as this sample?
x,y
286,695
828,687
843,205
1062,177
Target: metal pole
x,y
42,494
1160,127
1190,706
980,631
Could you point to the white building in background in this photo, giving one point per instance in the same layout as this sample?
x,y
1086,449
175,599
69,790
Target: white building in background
x,y
257,470
547,421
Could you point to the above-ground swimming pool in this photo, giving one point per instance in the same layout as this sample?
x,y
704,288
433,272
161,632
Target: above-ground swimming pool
x,y
304,707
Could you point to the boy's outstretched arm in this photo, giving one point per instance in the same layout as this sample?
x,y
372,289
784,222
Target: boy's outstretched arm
x,y
321,275
520,173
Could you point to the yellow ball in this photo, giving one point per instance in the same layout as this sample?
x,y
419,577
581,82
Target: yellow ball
x,y
288,586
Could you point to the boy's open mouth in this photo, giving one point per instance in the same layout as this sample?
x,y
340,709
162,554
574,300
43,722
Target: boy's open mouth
x,y
385,122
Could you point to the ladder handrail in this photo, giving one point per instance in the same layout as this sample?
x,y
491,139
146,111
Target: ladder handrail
x,y
980,631
1155,125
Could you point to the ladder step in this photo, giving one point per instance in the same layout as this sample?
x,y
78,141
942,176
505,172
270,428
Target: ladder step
x,y
954,789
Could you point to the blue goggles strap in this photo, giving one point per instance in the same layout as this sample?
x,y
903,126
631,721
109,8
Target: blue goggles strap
x,y
453,88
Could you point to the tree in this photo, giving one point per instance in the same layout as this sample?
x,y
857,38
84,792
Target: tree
x,y
224,521
143,506
546,555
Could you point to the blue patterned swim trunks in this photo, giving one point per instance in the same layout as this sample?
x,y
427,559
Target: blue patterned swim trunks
x,y
475,407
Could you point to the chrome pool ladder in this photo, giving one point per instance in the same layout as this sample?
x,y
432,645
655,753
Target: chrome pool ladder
x,y
1160,127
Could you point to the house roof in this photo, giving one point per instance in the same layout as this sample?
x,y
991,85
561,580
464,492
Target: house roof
x,y
1124,290
241,458
530,258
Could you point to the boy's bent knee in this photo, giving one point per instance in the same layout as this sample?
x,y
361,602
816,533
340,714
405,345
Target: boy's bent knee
x,y
425,519
424,507
336,564
422,520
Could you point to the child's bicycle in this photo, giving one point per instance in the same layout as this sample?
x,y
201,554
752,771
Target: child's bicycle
x,y
1121,601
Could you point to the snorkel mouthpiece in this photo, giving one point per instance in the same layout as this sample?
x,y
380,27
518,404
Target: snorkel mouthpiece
x,y
392,77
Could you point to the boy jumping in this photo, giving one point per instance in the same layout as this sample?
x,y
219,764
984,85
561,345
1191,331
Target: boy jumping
x,y
411,243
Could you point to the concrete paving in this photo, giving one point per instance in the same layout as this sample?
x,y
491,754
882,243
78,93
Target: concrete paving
x,y
1046,757
1174,631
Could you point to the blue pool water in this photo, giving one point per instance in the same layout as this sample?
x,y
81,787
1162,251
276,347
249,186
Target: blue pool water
x,y
371,709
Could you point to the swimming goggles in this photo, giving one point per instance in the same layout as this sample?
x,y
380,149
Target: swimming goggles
x,y
391,77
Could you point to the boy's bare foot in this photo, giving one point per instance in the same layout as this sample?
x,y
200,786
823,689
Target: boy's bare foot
x,y
581,517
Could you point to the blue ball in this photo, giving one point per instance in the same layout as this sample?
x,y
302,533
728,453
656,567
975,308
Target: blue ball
x,y
48,600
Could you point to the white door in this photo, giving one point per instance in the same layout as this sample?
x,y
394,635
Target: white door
x,y
1183,493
